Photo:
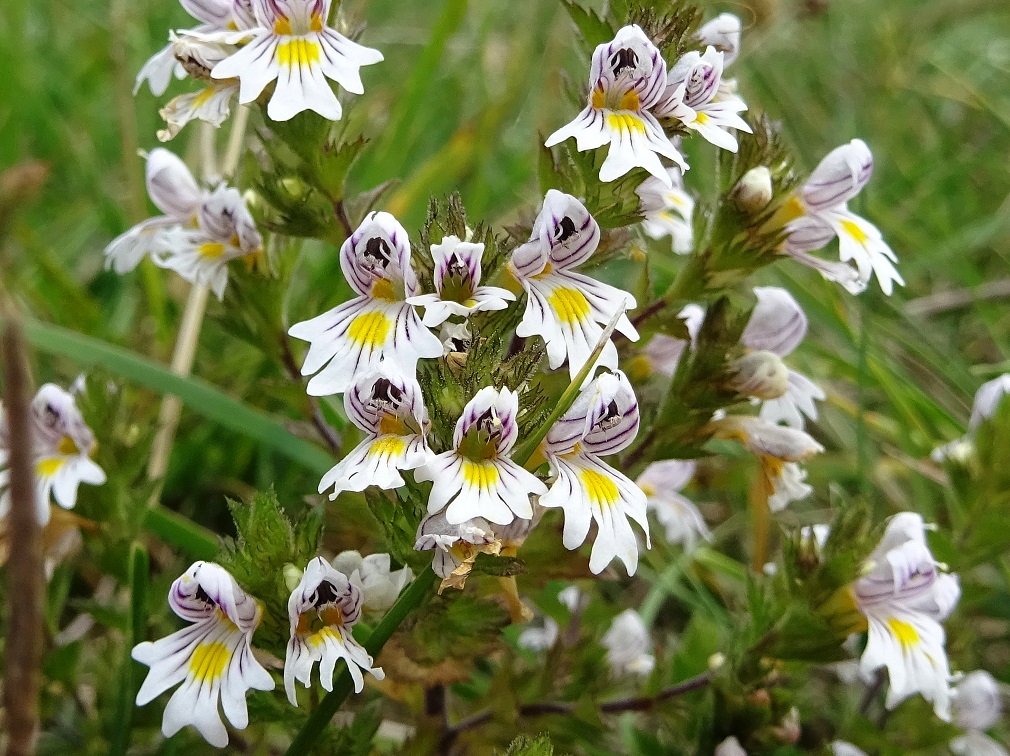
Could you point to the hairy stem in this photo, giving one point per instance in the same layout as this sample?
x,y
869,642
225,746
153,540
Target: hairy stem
x,y
25,579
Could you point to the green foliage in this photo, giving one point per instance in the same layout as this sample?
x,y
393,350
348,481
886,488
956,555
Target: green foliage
x,y
538,746
267,539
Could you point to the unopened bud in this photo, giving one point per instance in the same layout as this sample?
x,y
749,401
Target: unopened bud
x,y
754,191
760,374
789,729
730,747
716,660
292,576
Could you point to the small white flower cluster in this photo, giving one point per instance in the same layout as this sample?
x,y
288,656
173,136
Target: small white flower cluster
x,y
368,349
212,660
242,46
201,231
61,444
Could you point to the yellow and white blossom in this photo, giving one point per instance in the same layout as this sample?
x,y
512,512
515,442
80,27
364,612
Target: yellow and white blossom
x,y
457,284
211,660
373,575
323,609
291,44
661,482
668,210
477,478
603,420
212,102
627,78
818,212
376,326
904,601
199,234
387,405
61,444
567,309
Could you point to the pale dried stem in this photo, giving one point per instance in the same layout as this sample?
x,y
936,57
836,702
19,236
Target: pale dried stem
x,y
196,305
23,652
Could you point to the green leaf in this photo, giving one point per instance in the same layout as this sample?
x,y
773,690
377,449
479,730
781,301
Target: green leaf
x,y
538,746
195,393
595,30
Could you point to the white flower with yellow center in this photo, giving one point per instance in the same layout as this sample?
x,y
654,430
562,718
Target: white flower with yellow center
x,y
387,405
211,660
904,600
668,210
603,420
818,212
61,444
211,103
476,478
374,576
215,16
627,78
778,325
457,284
695,94
661,482
567,309
292,44
377,325
455,546
323,609
199,234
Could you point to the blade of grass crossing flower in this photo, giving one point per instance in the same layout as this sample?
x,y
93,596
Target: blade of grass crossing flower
x,y
415,594
526,449
122,722
195,393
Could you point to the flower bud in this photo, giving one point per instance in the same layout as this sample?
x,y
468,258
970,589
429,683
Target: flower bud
x,y
761,375
977,704
789,729
292,576
754,191
723,33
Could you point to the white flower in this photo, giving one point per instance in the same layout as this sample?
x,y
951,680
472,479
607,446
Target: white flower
x,y
200,233
661,483
987,401
730,747
694,94
211,658
628,644
373,575
567,309
668,210
541,638
476,478
778,325
61,444
376,325
767,440
977,701
818,212
662,353
211,104
292,44
323,610
457,283
626,79
789,484
387,405
898,596
455,546
842,748
975,743
722,33
603,420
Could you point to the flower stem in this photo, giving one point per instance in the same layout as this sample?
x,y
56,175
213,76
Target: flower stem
x,y
416,594
23,652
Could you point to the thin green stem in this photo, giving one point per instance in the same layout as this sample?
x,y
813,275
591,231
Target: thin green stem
x,y
138,571
415,595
